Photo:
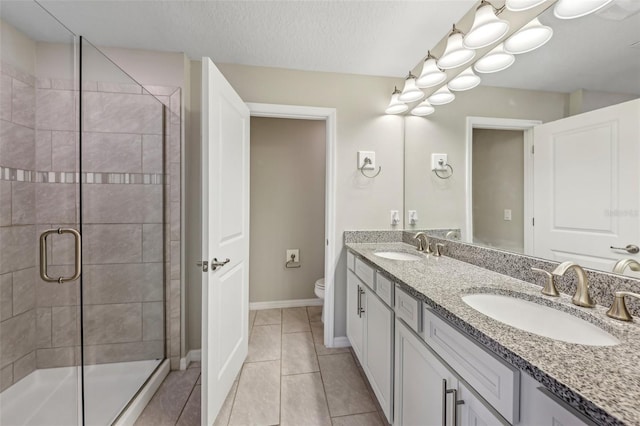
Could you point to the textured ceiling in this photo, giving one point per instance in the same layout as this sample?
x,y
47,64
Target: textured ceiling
x,y
384,38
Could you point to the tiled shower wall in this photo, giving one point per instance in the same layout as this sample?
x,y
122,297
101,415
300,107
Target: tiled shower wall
x,y
122,224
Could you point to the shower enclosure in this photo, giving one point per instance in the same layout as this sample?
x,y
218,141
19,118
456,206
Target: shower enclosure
x,y
83,247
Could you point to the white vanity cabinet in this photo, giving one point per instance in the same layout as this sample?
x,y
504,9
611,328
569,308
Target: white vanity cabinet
x,y
370,331
426,390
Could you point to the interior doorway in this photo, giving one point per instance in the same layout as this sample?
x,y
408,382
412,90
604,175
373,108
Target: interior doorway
x,y
332,242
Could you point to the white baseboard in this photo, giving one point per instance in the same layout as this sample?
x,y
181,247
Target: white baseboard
x,y
192,355
276,304
136,406
341,342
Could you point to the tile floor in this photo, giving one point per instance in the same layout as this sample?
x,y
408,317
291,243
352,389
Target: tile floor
x,y
289,378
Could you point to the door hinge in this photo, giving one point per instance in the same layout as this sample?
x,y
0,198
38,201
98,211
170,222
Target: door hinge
x,y
204,265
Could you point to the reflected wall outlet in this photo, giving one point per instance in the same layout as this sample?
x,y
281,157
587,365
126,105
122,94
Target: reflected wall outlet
x,y
295,253
413,217
395,217
507,214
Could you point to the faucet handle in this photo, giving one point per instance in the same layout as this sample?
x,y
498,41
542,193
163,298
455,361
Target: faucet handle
x,y
549,288
438,252
618,309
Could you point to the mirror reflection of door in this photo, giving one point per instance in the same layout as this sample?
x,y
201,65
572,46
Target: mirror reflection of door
x,y
498,188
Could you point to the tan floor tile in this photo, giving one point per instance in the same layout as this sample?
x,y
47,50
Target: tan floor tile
x,y
368,419
295,320
317,328
191,413
268,317
252,318
345,388
225,411
258,397
167,404
264,343
298,354
303,401
315,313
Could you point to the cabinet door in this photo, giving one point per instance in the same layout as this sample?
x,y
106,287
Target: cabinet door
x,y
473,412
355,321
378,364
420,397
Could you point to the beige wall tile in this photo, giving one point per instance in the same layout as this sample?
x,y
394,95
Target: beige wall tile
x,y
122,352
24,294
5,203
56,357
152,154
56,203
17,337
298,354
113,203
345,388
64,157
295,320
43,328
56,110
6,296
115,323
111,152
64,326
54,294
127,113
112,244
264,343
6,377
152,247
152,321
122,283
105,86
174,170
18,248
23,203
258,396
23,107
17,146
43,150
24,366
303,401
6,88
62,247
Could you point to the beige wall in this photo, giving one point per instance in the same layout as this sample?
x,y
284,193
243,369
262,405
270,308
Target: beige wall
x,y
361,203
287,207
498,184
441,203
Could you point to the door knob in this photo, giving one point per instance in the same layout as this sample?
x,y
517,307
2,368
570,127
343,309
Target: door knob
x,y
215,263
630,248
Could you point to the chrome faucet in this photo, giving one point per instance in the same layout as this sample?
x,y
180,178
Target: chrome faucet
x,y
582,296
623,264
423,242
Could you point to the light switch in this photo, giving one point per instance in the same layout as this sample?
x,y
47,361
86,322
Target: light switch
x,y
507,214
413,217
395,217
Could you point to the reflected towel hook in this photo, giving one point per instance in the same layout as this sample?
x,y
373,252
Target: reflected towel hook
x,y
441,163
365,163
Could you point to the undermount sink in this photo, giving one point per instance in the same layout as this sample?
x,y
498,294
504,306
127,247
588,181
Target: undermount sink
x,y
397,255
540,319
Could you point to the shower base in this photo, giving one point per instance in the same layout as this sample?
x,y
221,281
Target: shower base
x,y
51,396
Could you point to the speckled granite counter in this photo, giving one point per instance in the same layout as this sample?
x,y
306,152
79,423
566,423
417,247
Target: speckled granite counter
x,y
603,383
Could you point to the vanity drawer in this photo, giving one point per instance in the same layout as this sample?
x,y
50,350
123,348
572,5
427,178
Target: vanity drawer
x,y
497,382
351,260
366,273
409,309
384,289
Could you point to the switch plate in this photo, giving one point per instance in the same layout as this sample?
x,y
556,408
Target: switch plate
x,y
295,253
361,160
395,217
507,214
438,161
413,217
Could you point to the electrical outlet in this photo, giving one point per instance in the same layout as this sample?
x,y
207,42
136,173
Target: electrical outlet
x,y
507,214
295,253
413,217
438,161
395,217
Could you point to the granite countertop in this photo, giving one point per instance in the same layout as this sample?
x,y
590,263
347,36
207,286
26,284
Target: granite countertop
x,y
602,382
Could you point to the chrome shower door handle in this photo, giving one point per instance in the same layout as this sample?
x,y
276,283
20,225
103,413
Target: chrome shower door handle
x,y
43,255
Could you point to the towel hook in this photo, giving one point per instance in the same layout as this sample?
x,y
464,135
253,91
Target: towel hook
x,y
366,162
441,163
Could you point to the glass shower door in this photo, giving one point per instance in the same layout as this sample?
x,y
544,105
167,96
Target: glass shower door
x,y
39,220
123,224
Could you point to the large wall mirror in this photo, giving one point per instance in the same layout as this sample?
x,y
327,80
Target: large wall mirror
x,y
545,155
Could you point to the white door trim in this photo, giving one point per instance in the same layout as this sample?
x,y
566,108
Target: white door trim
x,y
501,124
332,244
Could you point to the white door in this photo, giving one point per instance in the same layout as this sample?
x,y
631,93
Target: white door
x,y
586,191
225,235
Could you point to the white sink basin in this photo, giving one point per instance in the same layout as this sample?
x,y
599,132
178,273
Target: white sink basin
x,y
539,319
397,255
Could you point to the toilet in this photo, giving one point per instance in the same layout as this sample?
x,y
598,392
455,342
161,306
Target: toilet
x,y
319,291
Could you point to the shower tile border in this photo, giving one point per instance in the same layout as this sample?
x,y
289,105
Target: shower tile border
x,y
10,174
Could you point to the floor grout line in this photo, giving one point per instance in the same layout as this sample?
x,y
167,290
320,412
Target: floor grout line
x,y
187,401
